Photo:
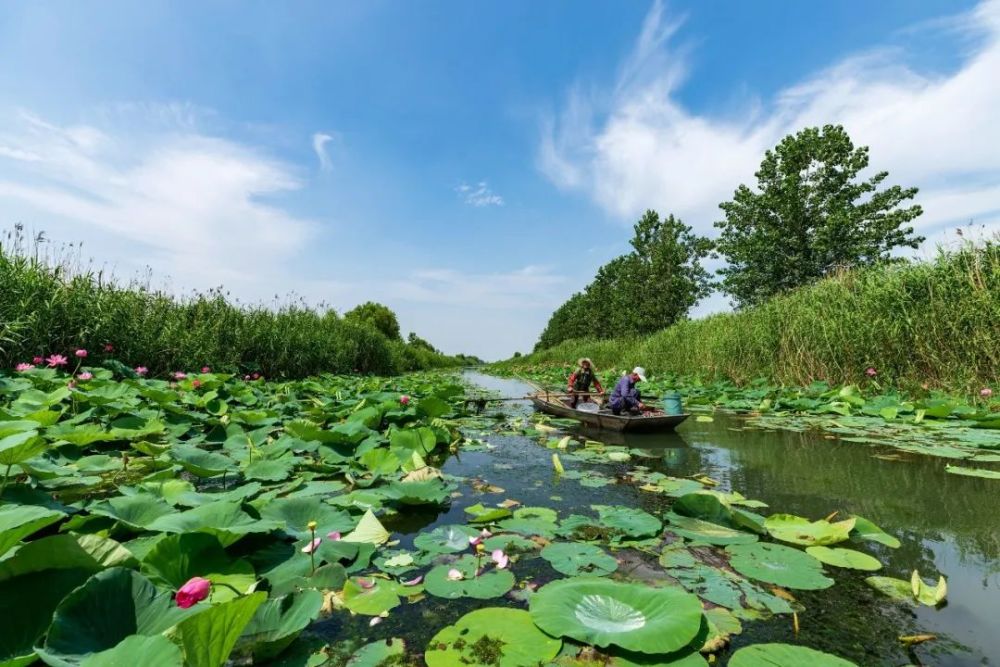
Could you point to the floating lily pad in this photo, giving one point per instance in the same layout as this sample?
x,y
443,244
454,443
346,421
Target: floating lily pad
x,y
897,589
848,558
295,513
446,539
574,558
628,521
973,472
601,612
780,565
491,583
697,530
378,654
370,596
785,655
866,530
493,636
798,530
479,513
368,531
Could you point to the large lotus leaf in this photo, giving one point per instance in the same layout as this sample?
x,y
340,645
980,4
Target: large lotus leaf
x,y
866,530
777,564
597,611
575,558
136,512
89,553
697,530
534,526
110,606
433,407
729,590
799,530
26,606
278,621
21,446
407,441
380,461
200,462
370,596
209,637
296,513
270,470
491,583
368,531
80,435
428,492
16,426
704,506
379,654
20,521
785,655
148,651
493,636
973,472
628,521
445,539
479,513
539,513
225,520
510,543
849,558
175,559
354,555
398,563
897,589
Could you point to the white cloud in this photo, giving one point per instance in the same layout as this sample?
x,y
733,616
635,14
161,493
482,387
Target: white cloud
x,y
320,140
187,203
643,149
479,195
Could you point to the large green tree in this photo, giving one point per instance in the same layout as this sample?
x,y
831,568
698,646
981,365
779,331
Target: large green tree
x,y
645,290
378,316
809,215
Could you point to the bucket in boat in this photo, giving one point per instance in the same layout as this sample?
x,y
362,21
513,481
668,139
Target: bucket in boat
x,y
587,407
672,404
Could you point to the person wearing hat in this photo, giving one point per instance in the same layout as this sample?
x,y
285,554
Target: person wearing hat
x,y
580,381
626,397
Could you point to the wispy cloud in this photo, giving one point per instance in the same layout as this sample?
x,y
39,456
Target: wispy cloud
x,y
634,145
479,194
320,140
188,203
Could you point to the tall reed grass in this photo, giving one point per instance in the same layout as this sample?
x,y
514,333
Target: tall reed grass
x,y
55,302
925,322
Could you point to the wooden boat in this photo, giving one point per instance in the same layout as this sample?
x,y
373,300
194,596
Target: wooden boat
x,y
654,422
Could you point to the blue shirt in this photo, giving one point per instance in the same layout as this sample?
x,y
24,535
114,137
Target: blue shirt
x,y
624,391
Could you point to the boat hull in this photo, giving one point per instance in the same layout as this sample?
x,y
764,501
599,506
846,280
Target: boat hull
x,y
610,422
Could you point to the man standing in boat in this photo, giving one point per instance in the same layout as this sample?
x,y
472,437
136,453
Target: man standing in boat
x,y
626,397
580,381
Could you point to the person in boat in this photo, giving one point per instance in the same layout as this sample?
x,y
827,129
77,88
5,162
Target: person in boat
x,y
626,397
580,381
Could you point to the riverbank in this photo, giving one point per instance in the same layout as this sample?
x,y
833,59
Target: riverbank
x,y
928,323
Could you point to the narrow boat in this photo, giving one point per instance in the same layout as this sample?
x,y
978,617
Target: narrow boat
x,y
654,422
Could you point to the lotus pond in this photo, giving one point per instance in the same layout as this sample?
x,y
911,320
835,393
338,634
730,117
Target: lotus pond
x,y
362,521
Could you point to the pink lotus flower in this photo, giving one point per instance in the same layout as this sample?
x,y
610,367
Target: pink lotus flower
x,y
985,392
255,376
85,376
412,582
37,360
81,353
366,584
194,591
334,536
179,375
20,368
871,372
500,558
312,546
141,370
195,383
206,369
108,347
404,400
455,575
475,541
56,360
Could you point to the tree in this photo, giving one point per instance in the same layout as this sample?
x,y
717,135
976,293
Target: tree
x,y
810,215
640,292
413,340
378,316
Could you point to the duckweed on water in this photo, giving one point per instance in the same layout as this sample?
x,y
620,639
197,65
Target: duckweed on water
x,y
290,500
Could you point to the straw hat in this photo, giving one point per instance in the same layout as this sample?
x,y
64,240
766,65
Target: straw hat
x,y
579,363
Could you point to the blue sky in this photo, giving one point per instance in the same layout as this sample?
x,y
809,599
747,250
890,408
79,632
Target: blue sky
x,y
468,164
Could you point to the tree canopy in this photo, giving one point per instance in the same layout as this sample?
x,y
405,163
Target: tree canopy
x,y
378,316
809,215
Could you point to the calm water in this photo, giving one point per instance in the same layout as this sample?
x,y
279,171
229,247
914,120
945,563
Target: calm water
x,y
948,524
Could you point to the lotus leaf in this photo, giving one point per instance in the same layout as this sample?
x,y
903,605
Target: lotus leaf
x,y
628,521
368,531
510,543
200,462
482,514
866,530
278,621
491,583
529,526
370,596
378,654
798,530
973,472
136,512
427,492
148,651
492,637
784,655
89,553
704,506
209,637
177,558
226,520
848,558
928,595
780,565
697,530
897,589
445,539
574,559
20,446
270,470
295,513
601,612
19,521
729,590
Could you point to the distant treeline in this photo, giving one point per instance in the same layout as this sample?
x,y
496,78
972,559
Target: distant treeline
x,y
921,323
57,306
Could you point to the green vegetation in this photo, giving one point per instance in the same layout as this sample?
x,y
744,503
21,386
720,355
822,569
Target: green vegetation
x,y
209,520
809,217
55,307
928,323
644,291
